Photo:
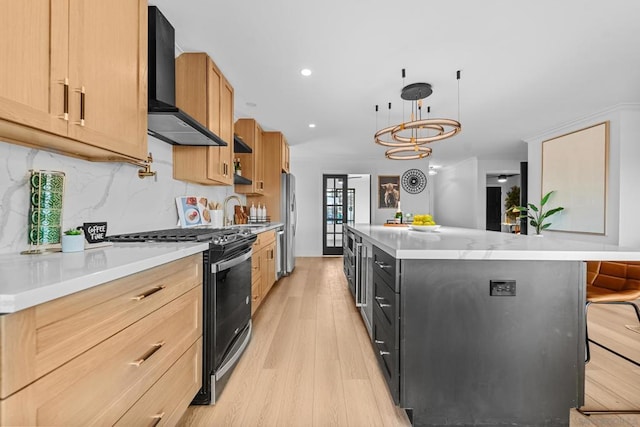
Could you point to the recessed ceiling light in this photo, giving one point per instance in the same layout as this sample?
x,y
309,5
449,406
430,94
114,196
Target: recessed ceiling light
x,y
305,72
312,125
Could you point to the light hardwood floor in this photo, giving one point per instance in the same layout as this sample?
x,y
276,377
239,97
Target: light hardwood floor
x,y
310,363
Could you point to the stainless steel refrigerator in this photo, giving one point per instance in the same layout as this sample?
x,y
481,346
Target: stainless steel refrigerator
x,y
289,216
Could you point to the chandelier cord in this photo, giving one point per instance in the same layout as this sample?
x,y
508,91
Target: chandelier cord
x,y
458,77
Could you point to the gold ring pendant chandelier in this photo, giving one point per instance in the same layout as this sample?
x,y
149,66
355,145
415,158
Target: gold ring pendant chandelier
x,y
407,140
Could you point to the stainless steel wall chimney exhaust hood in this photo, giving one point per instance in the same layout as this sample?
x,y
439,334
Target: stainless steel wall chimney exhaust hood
x,y
166,121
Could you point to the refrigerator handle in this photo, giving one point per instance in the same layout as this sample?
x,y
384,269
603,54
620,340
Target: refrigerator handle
x,y
295,212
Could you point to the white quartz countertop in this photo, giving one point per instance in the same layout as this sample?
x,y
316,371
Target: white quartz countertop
x,y
465,243
29,280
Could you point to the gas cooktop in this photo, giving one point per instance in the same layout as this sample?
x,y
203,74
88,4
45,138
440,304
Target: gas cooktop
x,y
214,235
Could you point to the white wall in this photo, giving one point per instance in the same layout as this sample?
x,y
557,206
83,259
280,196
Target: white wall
x,y
109,192
629,211
456,188
309,173
622,201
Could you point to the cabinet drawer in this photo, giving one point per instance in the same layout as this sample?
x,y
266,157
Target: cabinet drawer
x,y
385,345
263,239
386,266
101,384
61,329
256,294
385,301
168,399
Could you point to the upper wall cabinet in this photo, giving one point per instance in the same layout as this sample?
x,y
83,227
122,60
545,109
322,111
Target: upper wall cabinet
x,y
284,155
73,78
252,163
203,92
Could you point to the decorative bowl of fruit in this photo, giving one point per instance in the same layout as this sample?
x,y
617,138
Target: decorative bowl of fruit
x,y
423,223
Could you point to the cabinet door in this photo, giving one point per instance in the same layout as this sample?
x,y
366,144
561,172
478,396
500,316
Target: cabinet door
x,y
108,62
226,128
215,164
270,270
33,48
284,151
258,158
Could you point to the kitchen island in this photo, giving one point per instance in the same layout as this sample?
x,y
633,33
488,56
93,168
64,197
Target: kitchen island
x,y
481,328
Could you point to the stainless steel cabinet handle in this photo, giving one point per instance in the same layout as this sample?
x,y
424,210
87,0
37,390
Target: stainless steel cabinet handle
x,y
382,304
378,341
382,265
384,353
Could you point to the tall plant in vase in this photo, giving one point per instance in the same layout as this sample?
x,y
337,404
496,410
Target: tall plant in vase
x,y
538,216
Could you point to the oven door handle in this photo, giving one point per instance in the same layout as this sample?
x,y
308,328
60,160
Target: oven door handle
x,y
224,265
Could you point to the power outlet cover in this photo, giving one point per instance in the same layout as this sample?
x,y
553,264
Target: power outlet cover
x,y
502,288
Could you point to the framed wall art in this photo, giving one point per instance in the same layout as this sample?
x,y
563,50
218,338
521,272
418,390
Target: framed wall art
x,y
575,167
388,191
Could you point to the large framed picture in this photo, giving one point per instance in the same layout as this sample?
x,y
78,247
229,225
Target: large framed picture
x,y
388,191
574,166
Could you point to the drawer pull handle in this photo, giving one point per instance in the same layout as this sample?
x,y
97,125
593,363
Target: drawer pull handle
x,y
148,293
65,101
382,304
148,354
157,418
378,341
82,93
382,265
384,353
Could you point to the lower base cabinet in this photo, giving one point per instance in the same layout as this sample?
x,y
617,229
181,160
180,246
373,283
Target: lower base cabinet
x,y
146,373
263,267
168,399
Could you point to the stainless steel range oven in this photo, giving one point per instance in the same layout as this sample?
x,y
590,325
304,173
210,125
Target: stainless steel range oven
x,y
227,299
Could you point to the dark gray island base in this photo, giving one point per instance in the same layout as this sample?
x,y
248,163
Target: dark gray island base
x,y
469,358
474,327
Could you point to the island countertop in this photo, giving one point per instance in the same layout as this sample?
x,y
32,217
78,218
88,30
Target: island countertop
x,y
472,244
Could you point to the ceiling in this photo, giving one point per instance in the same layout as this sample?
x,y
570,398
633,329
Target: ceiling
x,y
526,67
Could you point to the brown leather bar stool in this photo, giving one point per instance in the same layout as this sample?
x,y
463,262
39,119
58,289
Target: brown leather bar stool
x,y
611,282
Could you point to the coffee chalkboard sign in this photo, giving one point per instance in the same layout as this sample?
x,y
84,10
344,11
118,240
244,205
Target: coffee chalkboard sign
x,y
95,232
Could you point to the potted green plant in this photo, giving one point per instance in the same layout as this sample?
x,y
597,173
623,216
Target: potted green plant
x,y
537,215
73,240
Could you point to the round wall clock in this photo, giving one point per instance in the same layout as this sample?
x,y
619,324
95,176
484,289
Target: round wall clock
x,y
414,181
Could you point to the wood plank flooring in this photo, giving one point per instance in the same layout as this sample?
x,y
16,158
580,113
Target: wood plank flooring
x,y
310,363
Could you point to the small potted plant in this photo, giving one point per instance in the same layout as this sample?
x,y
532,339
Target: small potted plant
x,y
538,216
73,240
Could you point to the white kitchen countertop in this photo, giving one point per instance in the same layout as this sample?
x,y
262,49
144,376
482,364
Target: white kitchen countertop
x,y
29,280
472,244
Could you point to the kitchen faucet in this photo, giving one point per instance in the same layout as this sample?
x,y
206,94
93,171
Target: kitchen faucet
x,y
229,220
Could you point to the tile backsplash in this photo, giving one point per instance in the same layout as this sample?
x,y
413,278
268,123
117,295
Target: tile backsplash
x,y
95,191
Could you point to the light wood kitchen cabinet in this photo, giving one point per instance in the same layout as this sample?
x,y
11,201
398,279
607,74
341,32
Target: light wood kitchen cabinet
x,y
285,156
74,77
263,267
252,163
203,92
275,151
93,356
